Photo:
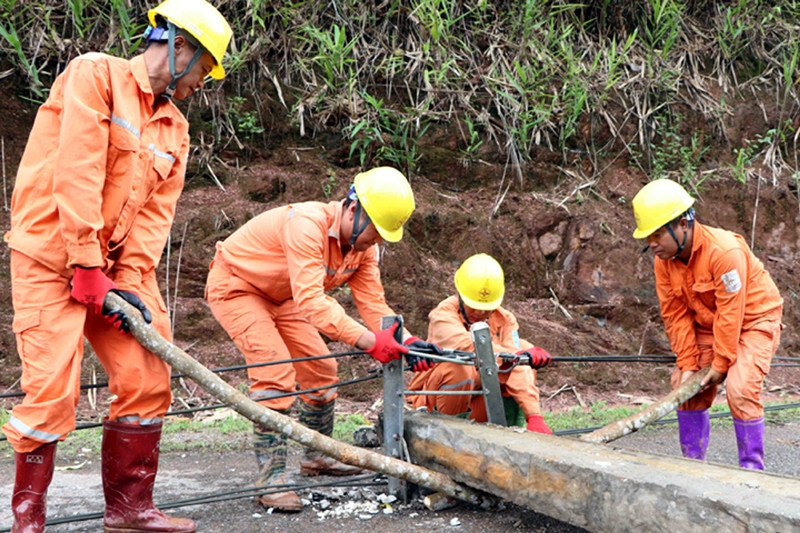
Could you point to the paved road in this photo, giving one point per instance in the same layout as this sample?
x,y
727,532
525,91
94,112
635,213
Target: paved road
x,y
186,475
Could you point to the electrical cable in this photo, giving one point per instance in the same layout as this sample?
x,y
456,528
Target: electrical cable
x,y
215,497
221,405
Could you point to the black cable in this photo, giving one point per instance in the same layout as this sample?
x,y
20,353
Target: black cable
x,y
221,405
281,362
615,359
351,382
556,359
219,370
244,493
377,479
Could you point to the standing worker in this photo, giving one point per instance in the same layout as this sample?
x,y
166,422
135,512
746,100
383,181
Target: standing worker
x,y
93,204
720,308
480,285
267,286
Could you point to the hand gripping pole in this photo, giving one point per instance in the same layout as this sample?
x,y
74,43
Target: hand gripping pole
x,y
352,455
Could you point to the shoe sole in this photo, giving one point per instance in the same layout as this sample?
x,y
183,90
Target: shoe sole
x,y
278,508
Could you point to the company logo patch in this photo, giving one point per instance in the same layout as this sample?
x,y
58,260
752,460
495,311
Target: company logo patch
x,y
732,281
484,293
36,459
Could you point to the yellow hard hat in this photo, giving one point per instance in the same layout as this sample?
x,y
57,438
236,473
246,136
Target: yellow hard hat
x,y
480,282
386,196
658,203
203,22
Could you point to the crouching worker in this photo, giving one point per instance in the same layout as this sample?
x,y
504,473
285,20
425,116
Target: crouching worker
x,y
267,289
93,204
480,287
720,308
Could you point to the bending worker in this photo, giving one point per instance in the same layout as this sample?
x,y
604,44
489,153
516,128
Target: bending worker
x,y
720,308
93,204
267,289
480,286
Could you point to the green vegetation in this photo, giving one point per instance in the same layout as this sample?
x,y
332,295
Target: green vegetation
x,y
346,424
243,122
228,431
603,77
600,414
672,157
233,432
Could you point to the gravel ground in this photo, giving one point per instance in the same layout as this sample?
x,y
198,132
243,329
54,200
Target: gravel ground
x,y
354,509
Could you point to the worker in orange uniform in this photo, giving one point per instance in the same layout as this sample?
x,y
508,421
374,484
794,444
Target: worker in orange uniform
x,y
92,207
267,286
480,285
720,308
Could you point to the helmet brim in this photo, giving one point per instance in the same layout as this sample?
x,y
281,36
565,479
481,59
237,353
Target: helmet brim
x,y
643,234
390,236
218,72
481,306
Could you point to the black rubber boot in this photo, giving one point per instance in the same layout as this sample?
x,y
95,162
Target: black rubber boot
x,y
271,452
314,463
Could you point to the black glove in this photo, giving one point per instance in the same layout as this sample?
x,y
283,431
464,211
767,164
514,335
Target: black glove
x,y
118,317
417,363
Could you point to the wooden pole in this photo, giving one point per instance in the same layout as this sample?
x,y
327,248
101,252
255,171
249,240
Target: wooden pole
x,y
352,455
651,413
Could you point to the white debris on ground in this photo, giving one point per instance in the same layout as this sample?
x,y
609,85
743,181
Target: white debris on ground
x,y
361,504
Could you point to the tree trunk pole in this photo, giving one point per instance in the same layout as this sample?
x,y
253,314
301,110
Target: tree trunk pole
x,y
352,455
651,413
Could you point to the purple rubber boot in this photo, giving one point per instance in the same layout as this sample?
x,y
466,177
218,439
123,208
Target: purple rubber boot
x,y
694,427
750,439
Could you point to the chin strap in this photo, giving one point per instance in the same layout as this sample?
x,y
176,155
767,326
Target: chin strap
x,y
158,34
358,225
463,312
198,52
681,245
689,216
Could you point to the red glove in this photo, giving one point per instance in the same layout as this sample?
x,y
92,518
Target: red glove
x,y
90,286
536,423
539,357
420,364
386,348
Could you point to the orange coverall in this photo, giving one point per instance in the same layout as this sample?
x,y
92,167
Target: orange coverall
x,y
97,187
721,309
267,289
448,329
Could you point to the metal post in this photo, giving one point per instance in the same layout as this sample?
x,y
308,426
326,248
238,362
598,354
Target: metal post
x,y
486,362
393,401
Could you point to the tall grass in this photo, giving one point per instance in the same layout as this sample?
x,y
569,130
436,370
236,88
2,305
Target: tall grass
x,y
524,73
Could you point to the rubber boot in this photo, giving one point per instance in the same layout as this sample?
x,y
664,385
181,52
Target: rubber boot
x,y
29,499
129,464
694,428
270,448
750,440
314,463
